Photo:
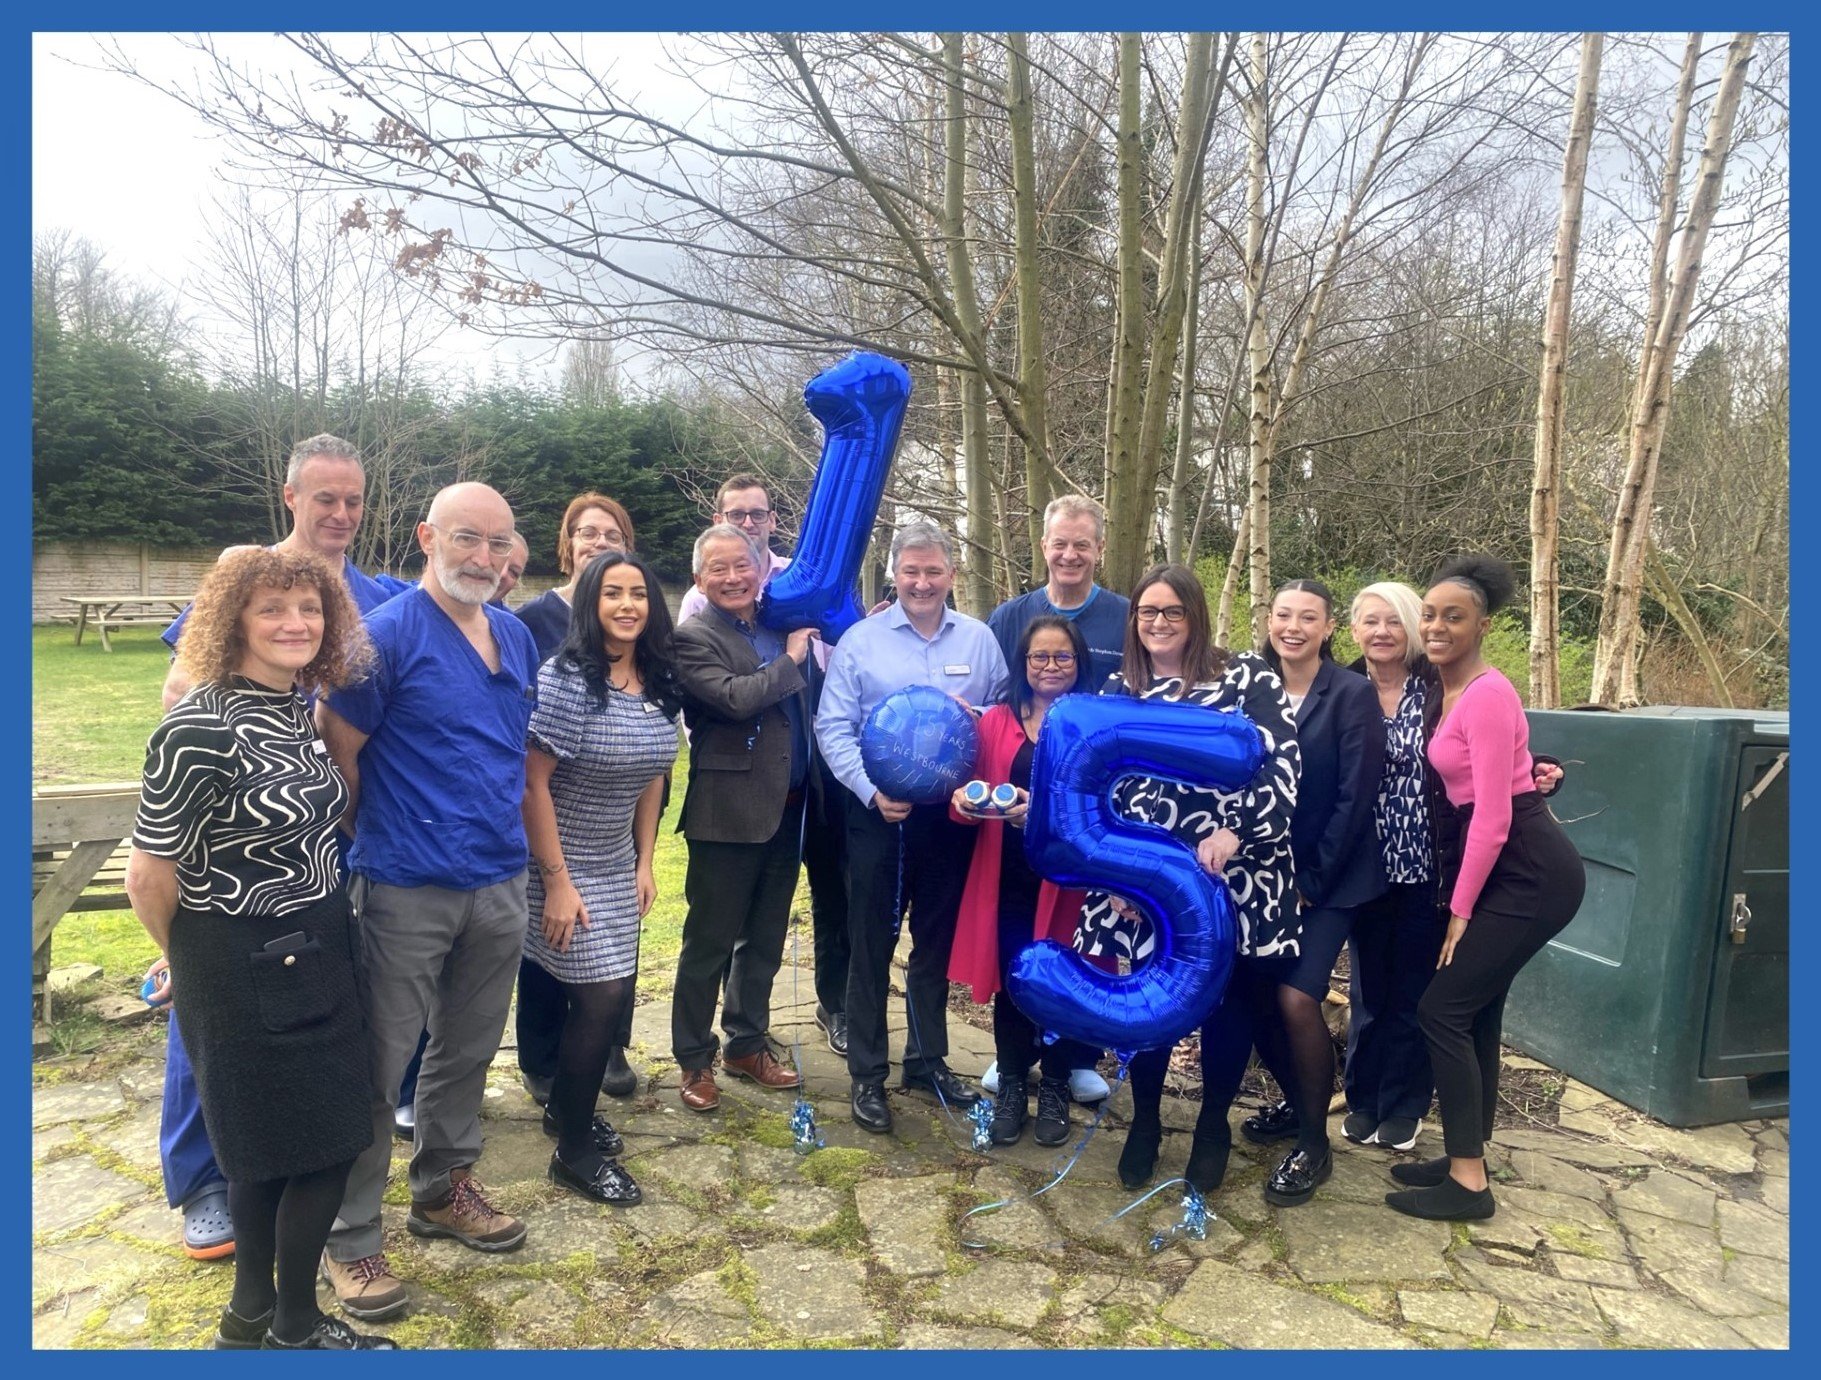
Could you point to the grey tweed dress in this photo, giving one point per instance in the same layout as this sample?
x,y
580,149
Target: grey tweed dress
x,y
606,754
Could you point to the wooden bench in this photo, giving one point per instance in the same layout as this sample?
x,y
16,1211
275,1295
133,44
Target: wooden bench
x,y
79,853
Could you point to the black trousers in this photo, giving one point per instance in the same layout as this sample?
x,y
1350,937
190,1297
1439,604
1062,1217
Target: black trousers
x,y
739,912
1533,892
921,864
1394,944
1017,1043
825,860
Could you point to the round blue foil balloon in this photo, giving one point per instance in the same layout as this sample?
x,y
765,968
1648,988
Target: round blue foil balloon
x,y
860,403
919,744
1077,838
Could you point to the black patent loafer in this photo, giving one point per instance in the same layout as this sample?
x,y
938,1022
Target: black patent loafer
x,y
1295,1180
609,1183
870,1110
1275,1122
331,1334
601,1135
942,1085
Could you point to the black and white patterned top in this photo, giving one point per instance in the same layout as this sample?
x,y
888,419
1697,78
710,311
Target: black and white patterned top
x,y
242,794
1402,812
1259,875
606,754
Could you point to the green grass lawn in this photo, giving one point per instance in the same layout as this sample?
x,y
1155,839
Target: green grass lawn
x,y
91,714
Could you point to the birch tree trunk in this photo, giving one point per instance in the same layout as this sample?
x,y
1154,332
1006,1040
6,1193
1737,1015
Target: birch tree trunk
x,y
1615,655
1545,493
1128,508
1257,524
1180,471
1033,380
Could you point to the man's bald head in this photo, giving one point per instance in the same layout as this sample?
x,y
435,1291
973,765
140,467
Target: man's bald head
x,y
476,502
467,540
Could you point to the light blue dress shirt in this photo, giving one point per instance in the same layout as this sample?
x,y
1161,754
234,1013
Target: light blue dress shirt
x,y
885,653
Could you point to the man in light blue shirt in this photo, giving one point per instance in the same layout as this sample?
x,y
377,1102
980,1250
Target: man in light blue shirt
x,y
901,854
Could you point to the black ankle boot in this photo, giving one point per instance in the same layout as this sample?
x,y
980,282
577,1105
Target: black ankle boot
x,y
1009,1110
1052,1111
1139,1157
1208,1160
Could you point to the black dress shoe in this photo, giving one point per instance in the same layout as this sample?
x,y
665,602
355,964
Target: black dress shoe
x,y
602,1136
235,1333
537,1087
1208,1161
1275,1122
619,1080
331,1334
1009,1110
609,1183
1052,1111
1138,1158
942,1085
835,1024
1421,1173
404,1121
1296,1179
870,1110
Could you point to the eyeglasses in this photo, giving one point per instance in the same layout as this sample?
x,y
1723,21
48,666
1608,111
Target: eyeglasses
x,y
1174,613
739,517
1060,660
464,540
596,533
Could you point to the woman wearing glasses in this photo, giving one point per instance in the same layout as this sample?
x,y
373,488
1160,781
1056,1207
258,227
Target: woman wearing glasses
x,y
1005,904
602,737
1242,836
592,523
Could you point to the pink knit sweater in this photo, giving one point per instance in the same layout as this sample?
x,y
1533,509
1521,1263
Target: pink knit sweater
x,y
1482,751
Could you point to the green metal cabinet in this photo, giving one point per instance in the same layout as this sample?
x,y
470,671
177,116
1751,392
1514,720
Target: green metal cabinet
x,y
1670,989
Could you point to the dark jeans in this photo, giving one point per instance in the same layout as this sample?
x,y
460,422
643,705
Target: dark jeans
x,y
1394,943
739,912
825,860
921,864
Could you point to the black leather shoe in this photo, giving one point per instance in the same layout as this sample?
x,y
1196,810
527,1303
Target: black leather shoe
x,y
609,1183
331,1334
1052,1111
1138,1158
235,1333
1296,1179
1208,1161
942,1085
538,1088
601,1135
1009,1111
1275,1122
870,1110
619,1080
835,1024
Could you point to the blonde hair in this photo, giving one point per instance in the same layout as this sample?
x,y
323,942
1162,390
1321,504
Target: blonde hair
x,y
1406,603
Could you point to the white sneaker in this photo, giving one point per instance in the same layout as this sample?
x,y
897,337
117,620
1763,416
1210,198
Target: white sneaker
x,y
1086,1085
990,1079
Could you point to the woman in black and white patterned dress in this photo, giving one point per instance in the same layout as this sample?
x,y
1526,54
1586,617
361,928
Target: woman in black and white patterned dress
x,y
603,735
1242,835
235,873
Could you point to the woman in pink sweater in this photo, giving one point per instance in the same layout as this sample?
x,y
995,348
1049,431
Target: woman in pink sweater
x,y
1512,879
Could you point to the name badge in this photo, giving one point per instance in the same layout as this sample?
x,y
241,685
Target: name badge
x,y
319,746
957,668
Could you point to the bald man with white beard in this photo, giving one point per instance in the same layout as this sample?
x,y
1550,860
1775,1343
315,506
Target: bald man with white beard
x,y
432,745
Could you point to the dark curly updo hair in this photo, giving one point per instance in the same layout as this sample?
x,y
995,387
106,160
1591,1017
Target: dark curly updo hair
x,y
1489,580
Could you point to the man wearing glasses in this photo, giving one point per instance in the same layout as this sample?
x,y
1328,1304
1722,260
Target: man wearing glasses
x,y
432,746
744,502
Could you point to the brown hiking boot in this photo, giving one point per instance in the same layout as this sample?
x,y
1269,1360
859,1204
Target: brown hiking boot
x,y
466,1216
764,1069
365,1288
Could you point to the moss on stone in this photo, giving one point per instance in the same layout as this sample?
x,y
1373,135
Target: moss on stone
x,y
839,1167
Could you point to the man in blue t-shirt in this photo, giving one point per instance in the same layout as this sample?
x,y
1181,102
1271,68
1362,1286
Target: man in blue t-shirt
x,y
1074,539
432,746
324,489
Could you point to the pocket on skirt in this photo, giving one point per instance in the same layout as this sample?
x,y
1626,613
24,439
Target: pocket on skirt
x,y
292,989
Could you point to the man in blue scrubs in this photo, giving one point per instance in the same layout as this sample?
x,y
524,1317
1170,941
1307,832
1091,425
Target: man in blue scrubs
x,y
432,745
325,488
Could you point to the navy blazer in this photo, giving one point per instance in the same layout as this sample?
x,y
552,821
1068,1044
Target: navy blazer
x,y
1333,840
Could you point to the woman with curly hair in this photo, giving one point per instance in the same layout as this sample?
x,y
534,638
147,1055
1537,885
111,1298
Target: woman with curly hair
x,y
603,736
1512,878
234,873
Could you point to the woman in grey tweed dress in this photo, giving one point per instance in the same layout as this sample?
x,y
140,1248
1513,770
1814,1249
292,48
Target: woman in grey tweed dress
x,y
601,739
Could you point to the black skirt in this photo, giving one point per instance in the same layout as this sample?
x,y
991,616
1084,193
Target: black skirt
x,y
278,1040
1539,873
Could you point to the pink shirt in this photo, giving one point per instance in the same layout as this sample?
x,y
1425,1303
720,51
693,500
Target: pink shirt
x,y
1482,752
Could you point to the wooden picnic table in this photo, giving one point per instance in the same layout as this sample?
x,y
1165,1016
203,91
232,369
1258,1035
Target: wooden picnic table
x,y
123,611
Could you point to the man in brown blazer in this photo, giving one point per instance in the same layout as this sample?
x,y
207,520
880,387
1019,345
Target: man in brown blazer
x,y
746,702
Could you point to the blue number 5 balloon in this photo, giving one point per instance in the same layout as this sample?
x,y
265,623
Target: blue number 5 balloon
x,y
860,403
1075,837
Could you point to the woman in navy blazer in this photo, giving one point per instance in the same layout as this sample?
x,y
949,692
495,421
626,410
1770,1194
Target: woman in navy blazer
x,y
1337,866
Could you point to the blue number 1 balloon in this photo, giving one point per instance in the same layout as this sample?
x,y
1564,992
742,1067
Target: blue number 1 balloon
x,y
860,403
1075,837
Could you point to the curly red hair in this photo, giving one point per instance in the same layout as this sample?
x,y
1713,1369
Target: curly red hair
x,y
212,644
